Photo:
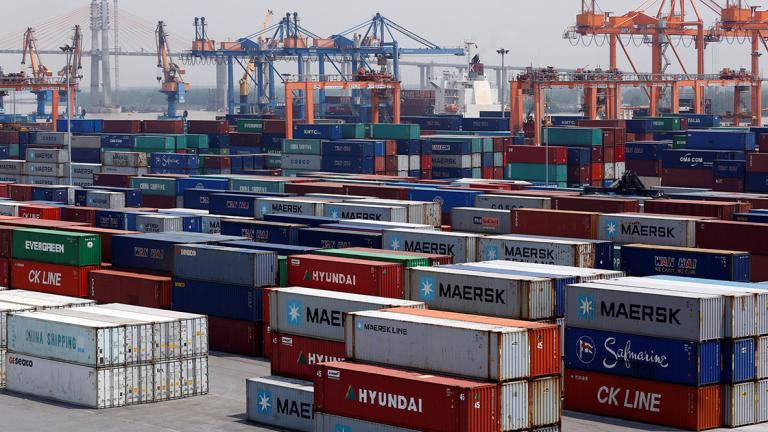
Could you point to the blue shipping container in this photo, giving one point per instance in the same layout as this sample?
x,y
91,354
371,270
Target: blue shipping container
x,y
237,302
155,251
668,360
317,131
730,169
310,221
335,239
721,140
232,204
485,124
646,150
132,196
696,159
123,142
356,148
738,360
579,156
279,249
448,198
174,161
262,231
756,182
721,265
355,165
183,184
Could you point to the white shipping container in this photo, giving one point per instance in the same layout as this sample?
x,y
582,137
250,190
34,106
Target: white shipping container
x,y
282,402
124,159
13,178
372,224
86,141
325,422
158,223
9,208
46,169
583,274
42,300
419,212
373,212
739,404
82,182
6,309
761,360
298,206
105,199
761,401
472,350
509,202
70,339
462,246
12,166
67,382
45,180
3,353
522,248
529,404
85,170
666,230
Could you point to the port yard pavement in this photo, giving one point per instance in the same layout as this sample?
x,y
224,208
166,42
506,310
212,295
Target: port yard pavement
x,y
222,410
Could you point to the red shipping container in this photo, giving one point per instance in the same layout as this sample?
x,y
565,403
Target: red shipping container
x,y
162,126
579,175
33,211
5,272
39,223
235,337
6,234
645,168
608,154
390,162
729,185
217,162
602,123
50,278
426,163
216,127
757,162
112,180
160,201
121,126
619,153
379,164
597,171
487,173
237,139
556,223
758,268
536,154
355,276
274,126
727,235
390,147
296,356
692,408
609,139
543,339
688,178
412,400
79,214
597,155
715,209
4,189
111,286
9,137
596,204
20,192
315,187
762,143
377,191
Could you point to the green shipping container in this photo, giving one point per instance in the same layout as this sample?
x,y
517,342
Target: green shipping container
x,y
679,142
391,131
13,150
383,256
665,123
273,161
197,141
282,271
221,151
536,172
56,247
180,141
302,146
573,136
154,185
154,143
250,125
477,143
353,130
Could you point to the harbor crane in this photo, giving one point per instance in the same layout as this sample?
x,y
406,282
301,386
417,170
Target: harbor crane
x,y
172,75
40,73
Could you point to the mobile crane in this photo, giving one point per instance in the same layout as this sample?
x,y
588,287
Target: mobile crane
x,y
172,78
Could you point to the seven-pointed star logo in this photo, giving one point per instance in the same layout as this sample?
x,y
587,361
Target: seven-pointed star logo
x,y
294,313
427,288
586,307
334,213
611,228
264,209
265,402
491,253
395,243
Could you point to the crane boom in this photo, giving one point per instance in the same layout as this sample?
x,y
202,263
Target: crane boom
x,y
39,71
77,55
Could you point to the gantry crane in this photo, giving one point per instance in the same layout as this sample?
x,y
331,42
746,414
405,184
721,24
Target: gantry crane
x,y
248,72
77,56
40,73
172,78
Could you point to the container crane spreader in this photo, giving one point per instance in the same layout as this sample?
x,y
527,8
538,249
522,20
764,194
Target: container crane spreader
x,y
172,78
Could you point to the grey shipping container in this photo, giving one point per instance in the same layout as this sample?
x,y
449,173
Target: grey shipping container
x,y
253,268
531,403
3,353
319,313
484,221
741,313
582,274
301,162
576,253
47,155
12,166
419,212
304,207
462,246
375,212
762,401
124,159
105,199
472,350
46,169
761,360
134,171
282,402
42,300
481,293
159,223
509,202
647,312
648,229
85,170
86,141
333,423
739,404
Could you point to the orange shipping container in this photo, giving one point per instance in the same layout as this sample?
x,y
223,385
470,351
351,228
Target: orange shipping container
x,y
31,211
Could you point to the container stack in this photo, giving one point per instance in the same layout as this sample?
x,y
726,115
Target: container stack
x,y
174,163
100,363
644,158
12,170
55,262
756,173
46,166
158,192
83,173
538,164
236,312
698,343
124,162
457,156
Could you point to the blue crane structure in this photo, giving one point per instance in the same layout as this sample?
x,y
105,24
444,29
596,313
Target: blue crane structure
x,y
375,39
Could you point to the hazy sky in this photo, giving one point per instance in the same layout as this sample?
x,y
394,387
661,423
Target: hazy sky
x,y
531,30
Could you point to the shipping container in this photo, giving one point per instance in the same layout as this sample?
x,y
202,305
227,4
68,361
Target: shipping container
x,y
648,260
236,336
335,238
483,293
57,247
261,231
648,229
281,402
462,246
296,356
366,212
237,302
555,223
319,313
692,408
377,255
408,399
333,423
509,202
50,278
346,275
206,262
479,220
667,360
675,315
544,250
110,286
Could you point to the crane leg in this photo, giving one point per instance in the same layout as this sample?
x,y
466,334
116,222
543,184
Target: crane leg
x,y
41,103
171,113
230,86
